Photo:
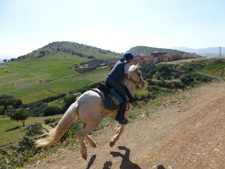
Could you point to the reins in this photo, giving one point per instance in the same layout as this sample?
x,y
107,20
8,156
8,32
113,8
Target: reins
x,y
135,81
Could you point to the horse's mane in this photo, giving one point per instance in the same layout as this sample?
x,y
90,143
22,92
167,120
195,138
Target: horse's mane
x,y
133,68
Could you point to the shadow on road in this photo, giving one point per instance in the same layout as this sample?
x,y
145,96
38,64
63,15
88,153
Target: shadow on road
x,y
91,161
126,163
160,167
107,165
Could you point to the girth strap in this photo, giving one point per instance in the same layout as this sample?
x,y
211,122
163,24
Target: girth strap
x,y
99,92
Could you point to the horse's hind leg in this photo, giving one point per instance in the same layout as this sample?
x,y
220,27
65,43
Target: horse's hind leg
x,y
117,136
90,140
81,135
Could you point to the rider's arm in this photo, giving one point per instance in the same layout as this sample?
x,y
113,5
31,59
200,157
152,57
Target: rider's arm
x,y
126,68
126,76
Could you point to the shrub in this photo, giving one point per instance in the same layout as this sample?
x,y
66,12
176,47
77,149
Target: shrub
x,y
176,74
34,129
68,100
72,131
187,79
36,108
50,120
151,82
51,110
18,154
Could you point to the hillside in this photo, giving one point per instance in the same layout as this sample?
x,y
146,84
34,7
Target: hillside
x,y
72,48
186,131
50,71
165,83
147,50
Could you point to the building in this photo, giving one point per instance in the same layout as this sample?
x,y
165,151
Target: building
x,y
86,68
157,57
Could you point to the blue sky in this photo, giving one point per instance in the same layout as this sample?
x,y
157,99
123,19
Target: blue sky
x,y
116,25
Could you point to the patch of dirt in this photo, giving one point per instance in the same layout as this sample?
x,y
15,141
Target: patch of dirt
x,y
187,134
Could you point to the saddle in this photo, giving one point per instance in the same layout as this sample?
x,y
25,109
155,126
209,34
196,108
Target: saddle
x,y
112,98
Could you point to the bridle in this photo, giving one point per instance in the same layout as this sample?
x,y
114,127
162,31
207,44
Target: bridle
x,y
139,77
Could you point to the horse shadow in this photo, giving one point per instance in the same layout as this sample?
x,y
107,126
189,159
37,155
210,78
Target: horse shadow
x,y
91,161
107,165
126,163
160,167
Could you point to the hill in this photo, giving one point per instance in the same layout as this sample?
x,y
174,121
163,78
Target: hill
x,y
147,50
50,71
186,131
165,83
206,52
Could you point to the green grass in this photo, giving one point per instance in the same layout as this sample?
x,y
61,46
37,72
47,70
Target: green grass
x,y
210,67
35,79
11,131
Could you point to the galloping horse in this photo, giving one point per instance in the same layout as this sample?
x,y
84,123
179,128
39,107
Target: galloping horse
x,y
89,107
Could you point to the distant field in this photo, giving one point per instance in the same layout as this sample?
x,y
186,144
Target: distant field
x,y
35,79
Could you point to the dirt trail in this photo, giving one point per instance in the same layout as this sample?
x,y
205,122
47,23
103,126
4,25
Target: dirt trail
x,y
188,134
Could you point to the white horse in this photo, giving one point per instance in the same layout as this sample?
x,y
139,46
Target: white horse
x,y
90,109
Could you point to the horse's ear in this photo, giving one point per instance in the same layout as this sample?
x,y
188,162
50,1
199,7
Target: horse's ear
x,y
138,66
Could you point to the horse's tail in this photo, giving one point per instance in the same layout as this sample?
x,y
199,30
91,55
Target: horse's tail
x,y
54,134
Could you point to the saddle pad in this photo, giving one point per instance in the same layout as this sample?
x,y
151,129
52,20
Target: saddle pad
x,y
112,100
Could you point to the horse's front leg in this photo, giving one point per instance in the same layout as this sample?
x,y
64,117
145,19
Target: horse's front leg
x,y
91,141
120,129
117,136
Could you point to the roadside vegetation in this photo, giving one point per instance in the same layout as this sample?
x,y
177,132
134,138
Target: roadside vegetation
x,y
163,81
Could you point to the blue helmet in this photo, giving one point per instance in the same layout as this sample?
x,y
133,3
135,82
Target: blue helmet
x,y
128,56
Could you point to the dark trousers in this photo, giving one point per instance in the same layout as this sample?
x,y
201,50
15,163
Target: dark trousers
x,y
110,82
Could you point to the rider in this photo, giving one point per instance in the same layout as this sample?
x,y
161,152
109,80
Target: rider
x,y
116,79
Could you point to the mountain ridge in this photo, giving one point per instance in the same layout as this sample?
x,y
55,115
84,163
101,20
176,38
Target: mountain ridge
x,y
206,52
77,48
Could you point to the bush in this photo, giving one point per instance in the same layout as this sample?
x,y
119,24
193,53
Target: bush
x,y
151,82
72,131
36,108
204,78
18,154
176,74
50,120
187,79
51,110
165,71
34,129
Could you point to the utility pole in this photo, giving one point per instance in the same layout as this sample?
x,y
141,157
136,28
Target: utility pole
x,y
220,52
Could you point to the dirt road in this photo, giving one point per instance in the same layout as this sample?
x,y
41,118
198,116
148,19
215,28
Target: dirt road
x,y
187,134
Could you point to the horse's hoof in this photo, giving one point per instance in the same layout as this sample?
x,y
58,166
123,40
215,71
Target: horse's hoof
x,y
84,156
93,144
111,144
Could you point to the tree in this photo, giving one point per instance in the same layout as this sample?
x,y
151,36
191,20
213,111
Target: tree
x,y
20,115
7,100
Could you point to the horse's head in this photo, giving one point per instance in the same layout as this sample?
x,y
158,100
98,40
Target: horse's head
x,y
135,75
